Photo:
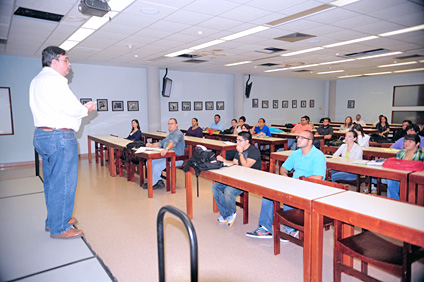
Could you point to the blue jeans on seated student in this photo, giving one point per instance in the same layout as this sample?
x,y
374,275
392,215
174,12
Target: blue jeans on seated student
x,y
317,144
225,198
393,189
158,165
267,215
341,175
291,144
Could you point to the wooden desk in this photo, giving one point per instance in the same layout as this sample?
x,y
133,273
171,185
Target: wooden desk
x,y
285,190
383,145
416,188
395,219
343,133
294,135
368,152
271,141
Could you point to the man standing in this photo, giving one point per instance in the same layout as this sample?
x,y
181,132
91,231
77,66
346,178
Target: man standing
x,y
307,161
260,127
303,125
358,120
217,124
174,141
402,132
224,195
412,129
325,129
57,116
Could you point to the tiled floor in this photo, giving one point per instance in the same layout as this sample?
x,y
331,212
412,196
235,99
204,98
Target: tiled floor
x,y
119,222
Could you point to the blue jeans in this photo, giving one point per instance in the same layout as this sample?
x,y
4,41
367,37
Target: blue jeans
x,y
157,166
341,175
267,215
291,144
225,198
393,189
59,151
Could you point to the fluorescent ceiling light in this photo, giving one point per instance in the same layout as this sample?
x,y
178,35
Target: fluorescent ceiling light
x,y
276,70
96,22
81,34
337,62
325,72
238,63
421,61
68,45
340,3
175,54
398,64
302,51
420,69
301,15
347,76
119,5
304,66
245,32
404,30
379,55
351,41
207,44
378,73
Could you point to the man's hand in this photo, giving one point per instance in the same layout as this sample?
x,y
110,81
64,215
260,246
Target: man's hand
x,y
220,158
91,106
163,152
149,145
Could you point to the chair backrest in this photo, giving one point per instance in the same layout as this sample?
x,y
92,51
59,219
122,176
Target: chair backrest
x,y
327,183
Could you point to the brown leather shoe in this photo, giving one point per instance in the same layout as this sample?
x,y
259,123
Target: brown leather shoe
x,y
72,221
70,234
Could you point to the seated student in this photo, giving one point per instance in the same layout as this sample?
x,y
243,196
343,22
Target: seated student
x,y
217,124
225,195
307,161
411,151
363,139
349,150
347,124
231,154
410,130
401,132
232,129
245,127
260,127
358,120
298,128
375,123
325,129
242,120
194,129
383,127
135,133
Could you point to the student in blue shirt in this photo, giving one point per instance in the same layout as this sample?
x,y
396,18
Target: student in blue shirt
x,y
217,124
410,129
260,127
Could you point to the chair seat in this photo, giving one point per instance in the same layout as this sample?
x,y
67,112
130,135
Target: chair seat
x,y
296,218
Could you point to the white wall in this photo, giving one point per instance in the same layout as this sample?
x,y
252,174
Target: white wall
x,y
373,96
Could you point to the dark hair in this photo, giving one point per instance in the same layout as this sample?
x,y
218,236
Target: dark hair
x,y
174,120
234,120
414,127
51,53
246,125
413,137
311,135
351,121
218,116
246,136
263,120
355,134
358,127
408,121
138,124
326,119
196,120
383,116
306,117
243,118
358,115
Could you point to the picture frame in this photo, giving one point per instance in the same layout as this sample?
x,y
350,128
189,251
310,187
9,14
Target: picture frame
x,y
186,106
303,103
6,114
350,104
311,103
265,104
220,105
209,105
275,104
294,103
285,104
198,106
132,106
117,105
173,106
85,100
255,103
102,105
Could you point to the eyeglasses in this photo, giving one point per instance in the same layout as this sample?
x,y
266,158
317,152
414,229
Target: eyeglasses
x,y
239,140
302,137
64,60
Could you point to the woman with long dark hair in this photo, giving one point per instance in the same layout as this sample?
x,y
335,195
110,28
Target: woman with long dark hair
x,y
135,133
363,139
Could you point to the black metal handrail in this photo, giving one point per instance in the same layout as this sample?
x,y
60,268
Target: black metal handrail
x,y
191,234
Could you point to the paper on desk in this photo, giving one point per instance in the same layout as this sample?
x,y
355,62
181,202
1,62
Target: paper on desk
x,y
143,149
228,143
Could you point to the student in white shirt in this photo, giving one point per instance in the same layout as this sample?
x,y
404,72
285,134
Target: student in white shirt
x,y
363,139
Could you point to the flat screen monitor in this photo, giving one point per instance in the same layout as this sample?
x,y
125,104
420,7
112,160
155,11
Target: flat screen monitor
x,y
166,87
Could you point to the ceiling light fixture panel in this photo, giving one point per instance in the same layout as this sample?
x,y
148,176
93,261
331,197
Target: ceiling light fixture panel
x,y
302,51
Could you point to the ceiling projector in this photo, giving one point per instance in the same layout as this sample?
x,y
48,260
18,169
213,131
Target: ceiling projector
x,y
97,8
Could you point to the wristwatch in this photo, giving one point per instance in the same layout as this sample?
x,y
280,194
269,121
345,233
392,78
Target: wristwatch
x,y
240,153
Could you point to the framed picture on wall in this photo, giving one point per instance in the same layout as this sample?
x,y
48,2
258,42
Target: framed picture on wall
x,y
209,105
173,106
102,105
198,106
85,100
303,104
311,103
6,120
186,106
132,105
117,105
275,104
255,103
351,104
285,104
265,104
220,105
294,103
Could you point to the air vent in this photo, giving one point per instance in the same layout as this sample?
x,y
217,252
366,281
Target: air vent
x,y
3,40
191,56
268,65
294,37
270,50
24,12
302,71
409,57
365,53
194,61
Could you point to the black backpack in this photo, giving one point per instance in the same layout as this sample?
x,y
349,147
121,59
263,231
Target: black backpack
x,y
133,145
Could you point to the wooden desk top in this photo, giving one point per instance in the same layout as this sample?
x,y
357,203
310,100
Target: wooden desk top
x,y
110,140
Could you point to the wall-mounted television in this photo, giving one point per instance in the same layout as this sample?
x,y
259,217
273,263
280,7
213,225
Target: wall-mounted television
x,y
166,87
248,88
